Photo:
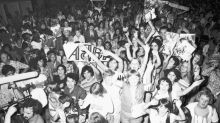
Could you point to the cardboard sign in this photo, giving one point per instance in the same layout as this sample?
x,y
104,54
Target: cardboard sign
x,y
170,42
184,50
149,15
189,37
74,53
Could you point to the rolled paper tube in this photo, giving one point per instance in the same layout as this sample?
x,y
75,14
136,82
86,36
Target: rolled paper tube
x,y
18,77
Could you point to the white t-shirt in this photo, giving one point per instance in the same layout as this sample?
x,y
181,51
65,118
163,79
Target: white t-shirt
x,y
36,45
211,117
155,118
102,105
81,39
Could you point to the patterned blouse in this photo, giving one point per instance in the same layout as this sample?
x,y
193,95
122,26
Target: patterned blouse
x,y
214,80
16,64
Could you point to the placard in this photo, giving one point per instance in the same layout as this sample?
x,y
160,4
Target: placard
x,y
189,37
184,50
74,53
170,42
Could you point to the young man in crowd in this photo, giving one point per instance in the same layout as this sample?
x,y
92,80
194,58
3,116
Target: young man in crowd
x,y
31,112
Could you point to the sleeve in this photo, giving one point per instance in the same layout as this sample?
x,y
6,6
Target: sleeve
x,y
87,101
21,65
82,93
215,116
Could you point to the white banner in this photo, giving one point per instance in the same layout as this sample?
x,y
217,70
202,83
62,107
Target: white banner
x,y
74,53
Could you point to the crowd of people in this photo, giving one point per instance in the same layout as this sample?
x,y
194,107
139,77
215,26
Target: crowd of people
x,y
138,82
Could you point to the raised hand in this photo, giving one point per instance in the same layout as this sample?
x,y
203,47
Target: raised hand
x,y
11,110
199,82
178,103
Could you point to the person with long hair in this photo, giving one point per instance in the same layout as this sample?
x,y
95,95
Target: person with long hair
x,y
98,100
162,113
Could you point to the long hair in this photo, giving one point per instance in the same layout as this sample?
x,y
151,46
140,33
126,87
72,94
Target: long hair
x,y
166,103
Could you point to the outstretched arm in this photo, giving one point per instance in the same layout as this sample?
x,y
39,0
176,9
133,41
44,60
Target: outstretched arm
x,y
144,64
99,63
117,58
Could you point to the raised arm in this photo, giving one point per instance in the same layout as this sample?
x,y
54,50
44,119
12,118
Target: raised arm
x,y
144,64
9,114
117,58
128,52
147,78
99,63
181,116
153,30
190,88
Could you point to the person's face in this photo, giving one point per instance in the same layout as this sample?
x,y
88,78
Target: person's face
x,y
28,113
162,109
184,68
170,64
101,25
107,46
99,42
134,64
78,33
43,26
154,46
85,24
70,83
4,57
64,60
70,120
134,42
66,33
171,76
91,27
164,86
53,58
40,63
10,73
117,32
66,24
61,53
133,80
163,33
113,65
141,51
87,75
142,30
196,59
203,101
60,71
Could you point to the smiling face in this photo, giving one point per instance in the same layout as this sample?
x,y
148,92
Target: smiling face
x,y
61,71
162,109
133,80
87,75
70,83
171,64
154,46
196,59
164,86
113,65
171,76
203,101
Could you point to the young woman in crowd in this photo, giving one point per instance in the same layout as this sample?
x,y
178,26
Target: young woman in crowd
x,y
119,87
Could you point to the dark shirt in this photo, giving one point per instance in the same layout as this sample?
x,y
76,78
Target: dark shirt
x,y
60,83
